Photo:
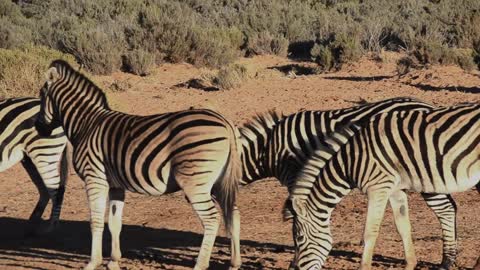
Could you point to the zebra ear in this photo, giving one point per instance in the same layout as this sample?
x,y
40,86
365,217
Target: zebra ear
x,y
299,206
52,75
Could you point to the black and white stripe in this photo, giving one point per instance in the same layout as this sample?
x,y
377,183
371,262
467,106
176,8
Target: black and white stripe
x,y
278,146
42,157
433,151
194,151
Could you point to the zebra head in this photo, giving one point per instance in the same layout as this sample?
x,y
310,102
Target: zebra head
x,y
311,234
47,119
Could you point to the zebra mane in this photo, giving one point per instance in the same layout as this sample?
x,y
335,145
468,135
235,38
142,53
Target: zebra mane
x,y
66,70
261,121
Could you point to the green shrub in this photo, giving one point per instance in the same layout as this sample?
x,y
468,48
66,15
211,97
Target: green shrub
x,y
13,36
346,49
322,55
404,65
266,43
230,77
476,52
139,62
99,49
215,47
436,53
213,33
336,52
465,59
22,72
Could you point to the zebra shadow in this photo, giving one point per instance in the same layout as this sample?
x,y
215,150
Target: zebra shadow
x,y
69,247
341,254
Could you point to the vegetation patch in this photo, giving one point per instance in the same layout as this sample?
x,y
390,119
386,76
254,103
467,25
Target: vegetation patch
x,y
22,71
138,34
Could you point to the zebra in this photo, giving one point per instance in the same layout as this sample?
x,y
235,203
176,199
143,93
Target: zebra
x,y
194,151
433,151
274,145
44,158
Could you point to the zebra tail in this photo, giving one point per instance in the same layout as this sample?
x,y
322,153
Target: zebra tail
x,y
228,186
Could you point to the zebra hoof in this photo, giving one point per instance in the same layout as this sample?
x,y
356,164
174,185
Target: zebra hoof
x,y
200,267
90,266
113,265
449,265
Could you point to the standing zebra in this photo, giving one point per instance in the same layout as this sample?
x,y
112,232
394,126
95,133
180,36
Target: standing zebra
x,y
44,158
277,146
192,150
434,152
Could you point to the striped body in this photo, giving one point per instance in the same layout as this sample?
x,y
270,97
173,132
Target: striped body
x,y
41,157
434,152
142,154
277,146
194,150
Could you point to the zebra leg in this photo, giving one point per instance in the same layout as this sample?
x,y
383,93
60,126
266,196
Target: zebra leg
x,y
205,208
36,216
477,265
445,209
97,191
57,194
399,203
236,260
377,202
117,198
52,178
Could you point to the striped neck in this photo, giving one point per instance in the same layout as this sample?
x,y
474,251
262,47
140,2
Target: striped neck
x,y
313,239
255,136
78,101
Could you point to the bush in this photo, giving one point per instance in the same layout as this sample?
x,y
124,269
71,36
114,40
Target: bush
x,y
139,62
436,53
213,33
265,43
346,49
13,36
476,52
322,55
22,72
230,77
215,47
404,65
336,52
99,49
465,59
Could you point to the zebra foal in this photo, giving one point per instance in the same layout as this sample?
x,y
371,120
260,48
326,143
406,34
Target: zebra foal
x,y
278,146
44,158
433,152
194,150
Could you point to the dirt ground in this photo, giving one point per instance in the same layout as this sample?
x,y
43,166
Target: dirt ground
x,y
164,233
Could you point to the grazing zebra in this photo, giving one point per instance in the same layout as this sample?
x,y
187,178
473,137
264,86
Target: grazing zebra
x,y
424,151
278,146
43,158
194,150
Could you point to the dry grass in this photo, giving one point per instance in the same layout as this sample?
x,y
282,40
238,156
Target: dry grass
x,y
22,70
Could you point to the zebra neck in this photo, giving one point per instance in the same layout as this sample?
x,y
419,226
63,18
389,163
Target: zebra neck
x,y
253,152
77,120
327,192
323,180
